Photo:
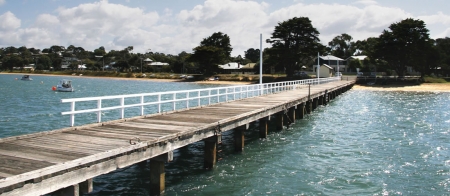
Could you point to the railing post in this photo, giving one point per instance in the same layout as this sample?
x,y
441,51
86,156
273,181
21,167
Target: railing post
x,y
234,93
226,94
159,103
198,98
122,112
99,112
246,91
240,93
209,97
174,101
72,116
142,105
187,100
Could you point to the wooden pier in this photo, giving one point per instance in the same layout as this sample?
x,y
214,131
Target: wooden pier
x,y
66,160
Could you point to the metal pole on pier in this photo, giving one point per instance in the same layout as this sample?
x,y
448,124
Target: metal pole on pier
x,y
260,58
318,68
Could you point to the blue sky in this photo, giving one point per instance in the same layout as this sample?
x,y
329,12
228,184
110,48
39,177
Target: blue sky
x,y
173,26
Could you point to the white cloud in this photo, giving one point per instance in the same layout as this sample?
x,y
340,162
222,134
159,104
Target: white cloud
x,y
439,18
116,26
92,23
47,21
9,25
2,2
242,21
9,22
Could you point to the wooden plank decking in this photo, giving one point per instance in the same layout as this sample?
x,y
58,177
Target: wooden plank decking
x,y
32,162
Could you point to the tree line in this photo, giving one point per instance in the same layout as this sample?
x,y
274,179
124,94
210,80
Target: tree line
x,y
294,43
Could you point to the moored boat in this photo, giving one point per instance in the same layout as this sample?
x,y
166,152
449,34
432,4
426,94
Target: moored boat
x,y
63,86
26,77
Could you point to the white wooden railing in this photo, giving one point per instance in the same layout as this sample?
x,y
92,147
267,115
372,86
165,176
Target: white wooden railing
x,y
203,97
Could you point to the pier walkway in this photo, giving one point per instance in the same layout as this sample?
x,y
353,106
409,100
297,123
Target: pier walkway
x,y
65,161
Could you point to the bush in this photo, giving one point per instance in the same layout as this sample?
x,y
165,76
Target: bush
x,y
429,79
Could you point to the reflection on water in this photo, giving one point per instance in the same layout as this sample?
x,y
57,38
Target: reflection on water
x,y
362,143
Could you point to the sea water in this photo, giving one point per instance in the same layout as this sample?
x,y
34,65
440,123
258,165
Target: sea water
x,y
361,143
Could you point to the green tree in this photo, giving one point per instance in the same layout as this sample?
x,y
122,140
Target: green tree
x,y
342,46
100,51
10,50
213,50
443,49
56,49
404,45
44,63
252,55
12,61
179,65
294,43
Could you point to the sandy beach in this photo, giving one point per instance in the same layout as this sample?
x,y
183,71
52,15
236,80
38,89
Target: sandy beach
x,y
425,87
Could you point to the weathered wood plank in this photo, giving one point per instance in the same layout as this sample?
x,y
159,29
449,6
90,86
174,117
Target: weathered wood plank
x,y
133,131
51,154
65,139
150,127
169,122
43,146
17,165
32,156
127,137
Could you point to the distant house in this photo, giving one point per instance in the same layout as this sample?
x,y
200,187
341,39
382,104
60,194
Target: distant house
x,y
333,62
30,67
359,57
237,68
82,67
158,65
325,71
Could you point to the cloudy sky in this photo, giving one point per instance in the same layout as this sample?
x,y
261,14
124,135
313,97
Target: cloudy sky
x,y
173,26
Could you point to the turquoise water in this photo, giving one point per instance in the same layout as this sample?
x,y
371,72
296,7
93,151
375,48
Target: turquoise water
x,y
32,106
362,143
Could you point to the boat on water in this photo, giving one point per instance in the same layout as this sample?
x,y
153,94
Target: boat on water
x,y
63,86
26,77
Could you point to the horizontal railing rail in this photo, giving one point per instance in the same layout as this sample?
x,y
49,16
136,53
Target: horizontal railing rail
x,y
203,97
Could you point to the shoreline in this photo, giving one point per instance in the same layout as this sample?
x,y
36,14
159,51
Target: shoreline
x,y
143,79
424,87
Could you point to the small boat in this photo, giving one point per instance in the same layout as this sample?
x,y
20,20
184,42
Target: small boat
x,y
63,86
26,77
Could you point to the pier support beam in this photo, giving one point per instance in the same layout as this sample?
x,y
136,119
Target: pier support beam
x,y
263,126
291,114
69,191
300,111
86,186
158,174
309,107
210,152
239,138
157,177
280,120
315,103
